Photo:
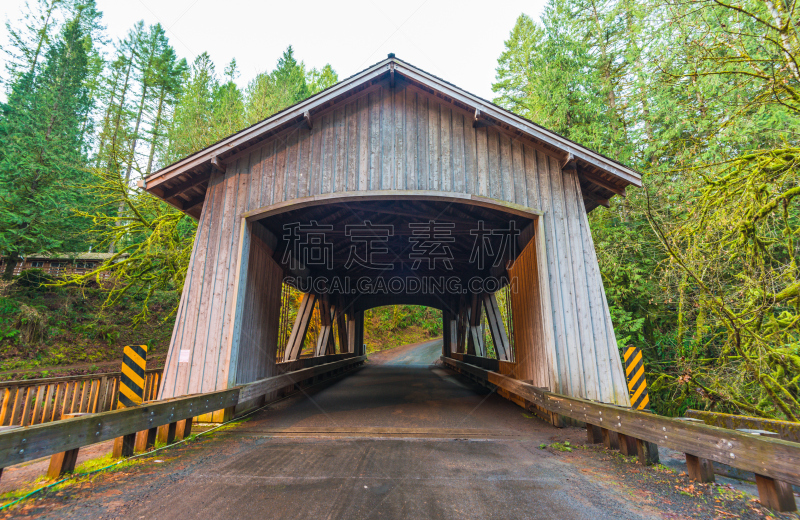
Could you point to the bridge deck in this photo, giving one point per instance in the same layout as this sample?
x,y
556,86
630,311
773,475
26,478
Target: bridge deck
x,y
393,440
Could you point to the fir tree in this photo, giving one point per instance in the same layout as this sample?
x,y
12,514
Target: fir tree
x,y
41,155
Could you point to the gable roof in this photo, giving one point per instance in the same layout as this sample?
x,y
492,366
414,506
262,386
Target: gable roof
x,y
605,175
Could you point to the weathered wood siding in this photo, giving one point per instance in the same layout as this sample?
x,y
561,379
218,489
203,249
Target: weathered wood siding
x,y
395,139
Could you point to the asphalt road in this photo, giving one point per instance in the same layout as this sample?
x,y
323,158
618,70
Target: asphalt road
x,y
425,353
394,439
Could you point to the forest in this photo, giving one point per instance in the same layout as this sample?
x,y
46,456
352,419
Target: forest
x,y
701,96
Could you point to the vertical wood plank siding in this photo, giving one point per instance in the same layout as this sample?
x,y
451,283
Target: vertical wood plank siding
x,y
407,139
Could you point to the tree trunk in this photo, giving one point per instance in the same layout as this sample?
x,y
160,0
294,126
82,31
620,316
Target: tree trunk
x,y
11,264
156,124
131,158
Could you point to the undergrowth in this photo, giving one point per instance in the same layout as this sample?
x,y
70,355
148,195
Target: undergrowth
x,y
47,330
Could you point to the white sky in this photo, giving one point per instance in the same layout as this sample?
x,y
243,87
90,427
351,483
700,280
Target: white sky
x,y
458,41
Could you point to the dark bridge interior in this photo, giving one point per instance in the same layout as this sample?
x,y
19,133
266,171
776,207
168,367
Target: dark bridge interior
x,y
401,251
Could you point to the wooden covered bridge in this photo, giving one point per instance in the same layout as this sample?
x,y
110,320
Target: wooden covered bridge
x,y
394,186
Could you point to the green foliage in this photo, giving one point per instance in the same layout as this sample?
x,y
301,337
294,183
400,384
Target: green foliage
x,y
395,325
288,84
702,97
41,145
560,446
68,327
152,245
9,309
31,324
32,280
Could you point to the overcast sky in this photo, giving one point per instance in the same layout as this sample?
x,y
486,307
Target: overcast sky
x,y
458,41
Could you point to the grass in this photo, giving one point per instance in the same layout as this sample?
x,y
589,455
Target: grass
x,y
560,446
86,470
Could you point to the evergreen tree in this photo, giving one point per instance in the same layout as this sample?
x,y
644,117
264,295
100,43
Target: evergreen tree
x,y
228,106
168,75
319,80
41,156
30,37
290,77
289,83
700,269
192,123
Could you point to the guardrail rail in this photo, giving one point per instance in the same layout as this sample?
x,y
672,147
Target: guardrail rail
x,y
775,462
139,426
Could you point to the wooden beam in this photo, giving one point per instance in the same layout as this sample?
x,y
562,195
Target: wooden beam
x,y
463,324
179,188
216,163
358,327
496,327
341,327
270,384
188,205
481,120
391,76
351,332
62,463
593,434
627,445
610,439
569,162
597,181
594,197
326,326
775,494
699,469
295,343
23,444
475,346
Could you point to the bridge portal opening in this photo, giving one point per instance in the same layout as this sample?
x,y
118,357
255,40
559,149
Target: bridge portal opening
x,y
312,275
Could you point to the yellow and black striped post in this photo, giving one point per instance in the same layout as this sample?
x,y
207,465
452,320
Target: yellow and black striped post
x,y
131,385
637,385
131,393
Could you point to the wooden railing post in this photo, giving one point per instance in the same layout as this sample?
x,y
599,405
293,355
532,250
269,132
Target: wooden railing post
x,y
64,462
610,439
124,446
166,433
627,445
183,429
145,440
699,469
647,452
61,463
593,434
775,494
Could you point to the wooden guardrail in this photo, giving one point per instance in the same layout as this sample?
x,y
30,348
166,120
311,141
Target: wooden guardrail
x,y
32,442
39,401
775,462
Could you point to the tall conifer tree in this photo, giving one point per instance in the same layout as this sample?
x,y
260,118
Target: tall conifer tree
x,y
41,155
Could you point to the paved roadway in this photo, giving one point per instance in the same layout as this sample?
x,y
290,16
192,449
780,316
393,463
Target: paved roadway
x,y
398,438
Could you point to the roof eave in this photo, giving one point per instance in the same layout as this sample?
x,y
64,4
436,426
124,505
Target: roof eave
x,y
291,115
